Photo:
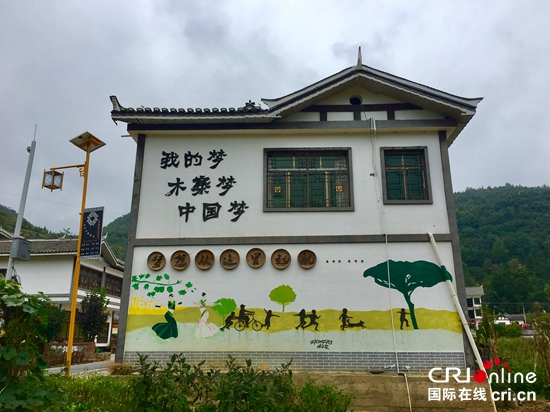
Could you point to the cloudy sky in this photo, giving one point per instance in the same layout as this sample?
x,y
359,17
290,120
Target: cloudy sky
x,y
61,60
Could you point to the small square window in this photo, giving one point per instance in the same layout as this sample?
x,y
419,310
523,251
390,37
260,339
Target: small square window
x,y
307,179
405,175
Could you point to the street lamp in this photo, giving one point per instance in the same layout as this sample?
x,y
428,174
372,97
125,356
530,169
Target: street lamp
x,y
54,180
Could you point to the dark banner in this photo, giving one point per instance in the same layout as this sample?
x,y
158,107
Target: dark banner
x,y
91,233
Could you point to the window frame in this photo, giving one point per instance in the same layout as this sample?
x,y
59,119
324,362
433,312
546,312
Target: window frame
x,y
347,150
427,184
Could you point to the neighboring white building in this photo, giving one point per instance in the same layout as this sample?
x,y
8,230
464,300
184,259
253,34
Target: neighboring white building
x,y
474,295
50,270
298,231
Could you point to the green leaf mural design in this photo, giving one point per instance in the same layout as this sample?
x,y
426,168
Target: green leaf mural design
x,y
224,306
407,276
159,285
283,295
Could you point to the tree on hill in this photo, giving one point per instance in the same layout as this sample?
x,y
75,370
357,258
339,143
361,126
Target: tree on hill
x,y
505,243
8,219
117,235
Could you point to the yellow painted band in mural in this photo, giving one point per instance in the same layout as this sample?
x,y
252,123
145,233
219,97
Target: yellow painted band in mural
x,y
144,314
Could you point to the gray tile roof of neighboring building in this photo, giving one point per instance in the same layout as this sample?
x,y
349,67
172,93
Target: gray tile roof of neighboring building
x,y
61,247
45,246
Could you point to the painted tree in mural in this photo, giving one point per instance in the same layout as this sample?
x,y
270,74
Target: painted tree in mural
x,y
406,277
224,306
283,295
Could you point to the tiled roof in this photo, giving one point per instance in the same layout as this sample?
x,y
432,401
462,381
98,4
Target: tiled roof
x,y
446,104
45,246
61,247
249,111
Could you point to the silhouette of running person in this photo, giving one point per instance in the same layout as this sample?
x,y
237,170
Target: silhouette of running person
x,y
344,316
403,318
313,319
302,316
268,316
228,321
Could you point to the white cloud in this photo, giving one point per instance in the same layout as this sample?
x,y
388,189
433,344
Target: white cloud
x,y
62,60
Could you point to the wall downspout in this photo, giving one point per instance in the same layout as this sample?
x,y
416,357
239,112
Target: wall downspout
x,y
463,320
385,232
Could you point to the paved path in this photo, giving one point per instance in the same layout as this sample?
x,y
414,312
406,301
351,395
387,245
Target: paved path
x,y
94,367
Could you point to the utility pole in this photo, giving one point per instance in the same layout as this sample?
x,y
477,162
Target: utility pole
x,y
16,240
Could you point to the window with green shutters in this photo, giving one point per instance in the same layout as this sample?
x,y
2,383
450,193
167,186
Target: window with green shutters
x,y
308,179
405,177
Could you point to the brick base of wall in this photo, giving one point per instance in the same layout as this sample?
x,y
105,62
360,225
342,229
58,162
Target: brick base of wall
x,y
321,361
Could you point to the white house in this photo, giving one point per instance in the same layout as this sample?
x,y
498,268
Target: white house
x,y
50,270
474,295
299,229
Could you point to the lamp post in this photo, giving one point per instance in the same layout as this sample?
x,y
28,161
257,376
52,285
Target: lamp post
x,y
54,180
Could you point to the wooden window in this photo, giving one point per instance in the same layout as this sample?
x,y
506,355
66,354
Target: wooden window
x,y
308,179
113,285
89,279
405,175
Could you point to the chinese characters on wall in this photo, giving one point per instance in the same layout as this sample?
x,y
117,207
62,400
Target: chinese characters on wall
x,y
201,184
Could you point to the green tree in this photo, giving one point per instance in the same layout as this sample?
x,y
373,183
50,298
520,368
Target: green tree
x,y
56,319
283,295
406,277
224,306
93,315
499,252
512,287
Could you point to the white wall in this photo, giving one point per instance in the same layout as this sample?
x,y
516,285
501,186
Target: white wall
x,y
336,281
159,216
48,274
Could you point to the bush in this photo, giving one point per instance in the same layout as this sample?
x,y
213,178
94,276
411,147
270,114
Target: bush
x,y
322,398
122,368
90,392
244,389
509,331
24,320
521,354
182,387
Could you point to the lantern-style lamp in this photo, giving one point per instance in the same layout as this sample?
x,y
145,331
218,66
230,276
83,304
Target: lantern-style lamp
x,y
52,179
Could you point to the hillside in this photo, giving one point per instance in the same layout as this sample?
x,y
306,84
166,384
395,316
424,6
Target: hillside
x,y
505,242
8,218
504,235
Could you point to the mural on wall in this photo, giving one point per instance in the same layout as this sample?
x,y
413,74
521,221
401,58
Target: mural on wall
x,y
203,329
218,325
225,307
283,295
346,323
162,284
406,277
201,184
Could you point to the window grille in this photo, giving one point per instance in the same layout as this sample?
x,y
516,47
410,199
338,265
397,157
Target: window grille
x,y
308,179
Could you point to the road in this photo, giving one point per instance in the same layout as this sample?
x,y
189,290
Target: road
x,y
94,367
